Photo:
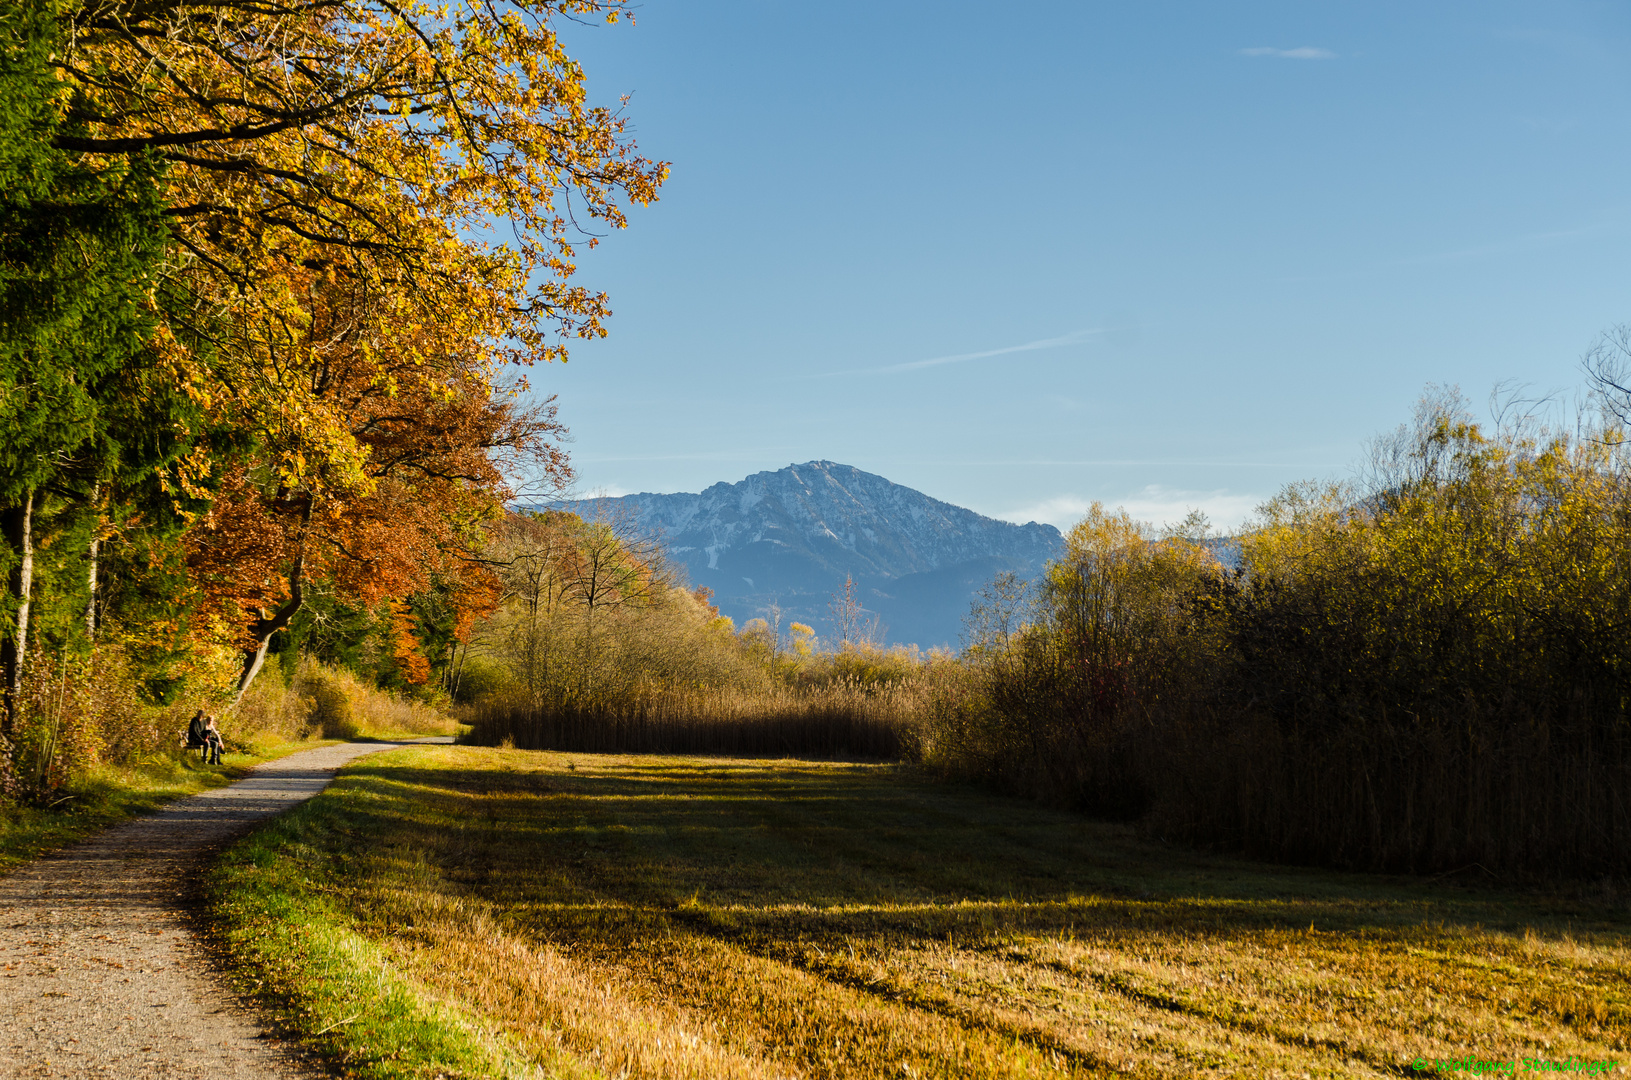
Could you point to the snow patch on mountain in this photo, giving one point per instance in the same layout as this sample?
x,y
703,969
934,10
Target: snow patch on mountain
x,y
793,535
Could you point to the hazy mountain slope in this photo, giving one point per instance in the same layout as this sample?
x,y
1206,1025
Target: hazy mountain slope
x,y
792,535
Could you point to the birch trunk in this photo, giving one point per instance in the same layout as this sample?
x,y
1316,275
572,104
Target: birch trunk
x,y
95,548
18,525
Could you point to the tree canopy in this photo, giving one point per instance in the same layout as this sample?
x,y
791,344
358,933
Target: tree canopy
x,y
287,263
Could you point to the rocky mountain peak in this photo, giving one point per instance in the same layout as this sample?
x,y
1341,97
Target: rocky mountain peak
x,y
792,536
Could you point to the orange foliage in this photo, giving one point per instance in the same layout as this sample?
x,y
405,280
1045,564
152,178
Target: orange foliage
x,y
410,661
435,453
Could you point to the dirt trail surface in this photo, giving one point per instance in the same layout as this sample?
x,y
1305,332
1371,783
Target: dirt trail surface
x,y
101,973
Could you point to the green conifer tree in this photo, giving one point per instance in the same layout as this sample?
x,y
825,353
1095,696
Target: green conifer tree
x,y
80,248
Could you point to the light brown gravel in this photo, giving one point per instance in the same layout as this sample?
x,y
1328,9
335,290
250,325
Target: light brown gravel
x,y
101,971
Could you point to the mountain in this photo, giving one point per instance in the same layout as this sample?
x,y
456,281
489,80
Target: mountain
x,y
791,536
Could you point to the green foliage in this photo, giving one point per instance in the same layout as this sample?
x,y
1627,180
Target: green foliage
x,y
336,633
91,413
79,246
481,677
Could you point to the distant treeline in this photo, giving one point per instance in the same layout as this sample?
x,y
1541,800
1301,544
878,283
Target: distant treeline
x,y
1424,670
598,646
1428,670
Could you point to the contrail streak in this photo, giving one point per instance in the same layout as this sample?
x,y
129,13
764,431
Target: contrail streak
x,y
958,358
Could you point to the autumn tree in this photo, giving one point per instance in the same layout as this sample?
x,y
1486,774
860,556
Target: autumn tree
x,y
533,556
365,145
265,275
1608,372
376,208
612,566
851,624
432,476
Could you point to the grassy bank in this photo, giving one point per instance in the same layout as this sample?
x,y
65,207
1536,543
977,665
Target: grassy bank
x,y
111,794
115,758
468,911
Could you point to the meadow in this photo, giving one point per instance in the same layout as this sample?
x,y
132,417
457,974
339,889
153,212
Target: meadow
x,y
467,911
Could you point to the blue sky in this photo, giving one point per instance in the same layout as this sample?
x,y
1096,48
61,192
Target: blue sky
x,y
1157,254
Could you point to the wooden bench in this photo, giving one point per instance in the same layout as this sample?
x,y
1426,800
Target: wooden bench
x,y
194,739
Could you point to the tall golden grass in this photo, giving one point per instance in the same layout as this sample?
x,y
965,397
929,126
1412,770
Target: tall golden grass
x,y
77,715
841,718
1427,674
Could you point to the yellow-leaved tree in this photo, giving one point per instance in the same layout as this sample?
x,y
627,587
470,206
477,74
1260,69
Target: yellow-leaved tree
x,y
375,209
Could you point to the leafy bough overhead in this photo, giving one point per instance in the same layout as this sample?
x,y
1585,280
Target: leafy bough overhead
x,y
372,211
331,126
368,150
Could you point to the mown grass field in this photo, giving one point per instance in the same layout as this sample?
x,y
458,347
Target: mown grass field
x,y
459,911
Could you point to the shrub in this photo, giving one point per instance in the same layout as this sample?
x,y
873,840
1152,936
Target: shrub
x,y
1424,674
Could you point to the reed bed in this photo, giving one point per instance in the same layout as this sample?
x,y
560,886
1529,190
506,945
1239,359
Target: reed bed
x,y
1428,673
842,719
1512,795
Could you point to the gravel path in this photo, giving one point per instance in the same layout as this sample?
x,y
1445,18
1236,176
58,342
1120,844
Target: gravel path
x,y
101,974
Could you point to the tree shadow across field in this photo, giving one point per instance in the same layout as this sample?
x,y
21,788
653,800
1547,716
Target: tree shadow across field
x,y
862,920
751,848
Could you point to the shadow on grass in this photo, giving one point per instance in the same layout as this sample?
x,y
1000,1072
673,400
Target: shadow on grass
x,y
859,919
751,849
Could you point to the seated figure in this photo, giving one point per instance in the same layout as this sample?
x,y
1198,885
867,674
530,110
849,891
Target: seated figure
x,y
197,737
212,736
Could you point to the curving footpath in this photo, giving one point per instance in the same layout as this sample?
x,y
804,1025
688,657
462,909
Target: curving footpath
x,y
101,973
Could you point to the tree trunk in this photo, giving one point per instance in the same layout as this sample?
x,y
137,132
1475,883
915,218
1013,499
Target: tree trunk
x,y
267,625
254,660
96,545
264,628
17,523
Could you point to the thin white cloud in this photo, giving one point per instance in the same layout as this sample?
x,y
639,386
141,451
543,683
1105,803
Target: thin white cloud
x,y
1304,52
1073,338
745,454
1218,463
1155,504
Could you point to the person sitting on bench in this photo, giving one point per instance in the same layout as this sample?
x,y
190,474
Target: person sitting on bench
x,y
198,733
212,736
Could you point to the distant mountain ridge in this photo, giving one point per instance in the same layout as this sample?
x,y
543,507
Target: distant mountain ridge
x,y
791,536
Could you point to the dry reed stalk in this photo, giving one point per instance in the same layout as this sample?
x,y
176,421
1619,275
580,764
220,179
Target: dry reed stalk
x,y
841,719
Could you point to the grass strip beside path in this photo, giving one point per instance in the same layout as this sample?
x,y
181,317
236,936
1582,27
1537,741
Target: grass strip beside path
x,y
274,904
479,912
110,795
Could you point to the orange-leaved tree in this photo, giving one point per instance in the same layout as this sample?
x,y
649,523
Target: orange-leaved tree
x,y
408,510
375,207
